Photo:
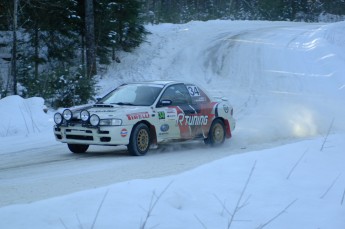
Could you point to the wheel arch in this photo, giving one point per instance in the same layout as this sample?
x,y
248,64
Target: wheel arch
x,y
152,128
227,126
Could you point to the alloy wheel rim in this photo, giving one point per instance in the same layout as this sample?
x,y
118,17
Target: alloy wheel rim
x,y
143,140
218,133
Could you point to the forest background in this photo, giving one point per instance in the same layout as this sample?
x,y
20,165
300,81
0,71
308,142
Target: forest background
x,y
56,49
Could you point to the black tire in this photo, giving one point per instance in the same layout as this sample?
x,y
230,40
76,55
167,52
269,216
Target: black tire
x,y
77,148
139,141
216,135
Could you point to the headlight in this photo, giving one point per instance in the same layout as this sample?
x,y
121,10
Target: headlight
x,y
58,118
84,115
94,120
67,114
110,122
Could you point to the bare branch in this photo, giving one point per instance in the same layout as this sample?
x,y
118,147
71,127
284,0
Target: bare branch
x,y
63,223
223,205
237,206
154,200
326,137
330,187
80,224
99,209
276,216
299,160
199,220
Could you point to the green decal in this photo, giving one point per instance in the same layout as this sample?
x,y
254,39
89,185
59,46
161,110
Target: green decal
x,y
161,115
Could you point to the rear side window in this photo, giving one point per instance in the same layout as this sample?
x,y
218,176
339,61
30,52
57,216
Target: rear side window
x,y
197,94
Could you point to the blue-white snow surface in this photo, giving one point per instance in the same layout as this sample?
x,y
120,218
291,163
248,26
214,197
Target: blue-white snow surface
x,y
286,82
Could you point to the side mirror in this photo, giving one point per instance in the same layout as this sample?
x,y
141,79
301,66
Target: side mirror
x,y
164,103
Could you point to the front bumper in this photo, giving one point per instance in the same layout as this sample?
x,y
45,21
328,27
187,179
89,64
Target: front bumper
x,y
104,135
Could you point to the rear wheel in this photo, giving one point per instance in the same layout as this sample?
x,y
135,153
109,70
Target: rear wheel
x,y
216,135
139,141
77,148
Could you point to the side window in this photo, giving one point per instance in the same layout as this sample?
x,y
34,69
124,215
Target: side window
x,y
197,94
178,94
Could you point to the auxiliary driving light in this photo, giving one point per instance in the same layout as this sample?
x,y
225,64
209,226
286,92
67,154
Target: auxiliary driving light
x,y
94,120
67,114
58,118
84,115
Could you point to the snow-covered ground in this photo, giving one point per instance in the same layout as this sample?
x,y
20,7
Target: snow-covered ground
x,y
287,84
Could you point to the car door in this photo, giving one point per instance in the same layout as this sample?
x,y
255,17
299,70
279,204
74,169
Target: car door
x,y
183,114
205,111
171,108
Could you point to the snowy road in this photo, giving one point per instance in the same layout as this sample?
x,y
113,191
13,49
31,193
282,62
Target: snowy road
x,y
40,173
271,72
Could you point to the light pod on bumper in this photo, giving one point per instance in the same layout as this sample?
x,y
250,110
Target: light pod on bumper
x,y
58,118
94,120
84,115
67,114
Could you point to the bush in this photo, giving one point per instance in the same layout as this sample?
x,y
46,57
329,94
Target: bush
x,y
61,88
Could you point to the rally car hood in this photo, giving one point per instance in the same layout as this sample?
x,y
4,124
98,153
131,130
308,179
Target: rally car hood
x,y
123,112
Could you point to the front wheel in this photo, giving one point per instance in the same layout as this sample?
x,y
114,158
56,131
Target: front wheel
x,y
77,148
216,135
139,141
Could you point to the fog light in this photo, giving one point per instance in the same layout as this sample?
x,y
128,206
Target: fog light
x,y
84,115
58,118
67,114
94,120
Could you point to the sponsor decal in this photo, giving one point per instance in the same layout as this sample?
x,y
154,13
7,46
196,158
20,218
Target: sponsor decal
x,y
192,120
193,91
163,133
200,99
164,127
124,132
161,115
171,114
140,115
226,108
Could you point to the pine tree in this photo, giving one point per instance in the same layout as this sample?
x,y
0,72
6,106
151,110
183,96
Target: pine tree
x,y
91,67
118,27
50,44
334,7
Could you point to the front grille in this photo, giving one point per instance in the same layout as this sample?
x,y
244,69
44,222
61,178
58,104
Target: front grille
x,y
79,131
80,137
74,122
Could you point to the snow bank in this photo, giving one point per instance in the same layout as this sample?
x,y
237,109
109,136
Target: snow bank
x,y
22,116
286,82
300,185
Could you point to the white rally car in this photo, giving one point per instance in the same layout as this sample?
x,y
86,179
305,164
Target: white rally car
x,y
143,114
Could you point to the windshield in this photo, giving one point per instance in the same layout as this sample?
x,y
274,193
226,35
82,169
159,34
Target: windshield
x,y
133,94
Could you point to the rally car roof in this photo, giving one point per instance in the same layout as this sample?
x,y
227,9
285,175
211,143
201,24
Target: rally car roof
x,y
158,82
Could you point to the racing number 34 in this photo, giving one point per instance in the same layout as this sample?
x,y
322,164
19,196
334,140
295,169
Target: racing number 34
x,y
193,91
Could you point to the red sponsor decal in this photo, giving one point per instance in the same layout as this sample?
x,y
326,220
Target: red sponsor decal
x,y
124,132
192,120
140,115
184,129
